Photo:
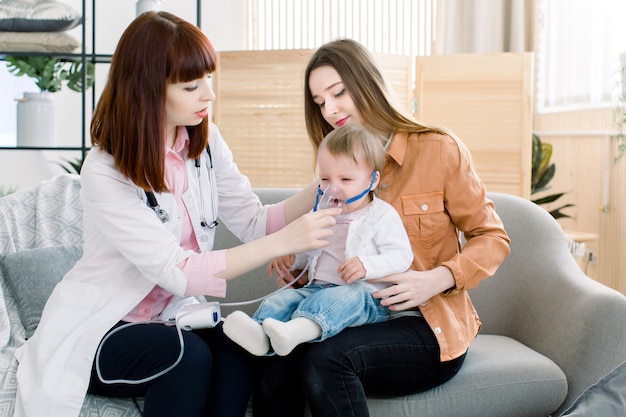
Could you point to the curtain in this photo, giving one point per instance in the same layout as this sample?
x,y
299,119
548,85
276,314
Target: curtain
x,y
578,52
485,26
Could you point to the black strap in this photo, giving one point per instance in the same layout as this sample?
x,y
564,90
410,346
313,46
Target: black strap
x,y
208,150
152,200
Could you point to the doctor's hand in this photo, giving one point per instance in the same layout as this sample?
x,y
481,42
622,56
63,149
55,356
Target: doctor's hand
x,y
308,232
411,289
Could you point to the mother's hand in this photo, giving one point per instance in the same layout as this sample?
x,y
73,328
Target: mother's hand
x,y
410,289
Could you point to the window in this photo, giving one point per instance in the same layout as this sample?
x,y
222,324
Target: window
x,y
403,27
579,43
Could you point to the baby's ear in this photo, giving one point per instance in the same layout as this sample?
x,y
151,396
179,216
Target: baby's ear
x,y
376,180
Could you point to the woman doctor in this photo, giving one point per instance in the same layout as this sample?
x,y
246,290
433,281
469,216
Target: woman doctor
x,y
151,192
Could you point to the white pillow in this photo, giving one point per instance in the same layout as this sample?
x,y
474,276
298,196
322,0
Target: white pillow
x,y
37,16
38,42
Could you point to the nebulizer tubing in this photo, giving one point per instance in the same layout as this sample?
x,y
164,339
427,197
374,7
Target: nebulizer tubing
x,y
146,379
180,337
256,300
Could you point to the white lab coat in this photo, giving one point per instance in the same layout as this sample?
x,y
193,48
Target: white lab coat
x,y
127,251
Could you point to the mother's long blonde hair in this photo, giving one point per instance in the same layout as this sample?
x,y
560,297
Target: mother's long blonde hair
x,y
369,90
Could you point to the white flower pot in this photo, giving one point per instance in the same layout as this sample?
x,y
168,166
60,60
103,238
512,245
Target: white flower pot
x,y
143,6
35,120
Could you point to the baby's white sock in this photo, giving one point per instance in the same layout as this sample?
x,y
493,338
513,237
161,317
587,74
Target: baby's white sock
x,y
285,336
246,332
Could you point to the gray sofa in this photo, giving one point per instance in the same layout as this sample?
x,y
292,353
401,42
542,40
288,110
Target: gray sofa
x,y
549,332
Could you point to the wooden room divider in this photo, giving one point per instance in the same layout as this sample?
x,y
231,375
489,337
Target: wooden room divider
x,y
485,99
259,110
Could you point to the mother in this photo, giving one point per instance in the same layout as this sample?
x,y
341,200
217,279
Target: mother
x,y
428,177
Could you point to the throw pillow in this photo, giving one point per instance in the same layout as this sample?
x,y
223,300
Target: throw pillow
x,y
41,16
605,398
33,274
38,42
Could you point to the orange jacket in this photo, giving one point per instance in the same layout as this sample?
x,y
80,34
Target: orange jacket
x,y
436,192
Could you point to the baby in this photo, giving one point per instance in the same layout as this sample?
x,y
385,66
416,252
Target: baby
x,y
369,241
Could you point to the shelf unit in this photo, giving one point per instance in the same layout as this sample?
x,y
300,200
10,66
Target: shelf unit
x,y
84,57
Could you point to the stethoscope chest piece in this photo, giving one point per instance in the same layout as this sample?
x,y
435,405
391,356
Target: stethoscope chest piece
x,y
161,214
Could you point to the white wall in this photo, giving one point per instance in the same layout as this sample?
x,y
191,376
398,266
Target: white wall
x,y
222,21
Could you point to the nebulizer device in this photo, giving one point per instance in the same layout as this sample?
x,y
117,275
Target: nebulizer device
x,y
207,314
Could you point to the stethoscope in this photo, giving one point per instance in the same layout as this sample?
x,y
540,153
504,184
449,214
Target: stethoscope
x,y
165,217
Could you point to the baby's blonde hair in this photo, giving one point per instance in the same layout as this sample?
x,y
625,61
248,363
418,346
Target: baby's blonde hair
x,y
356,142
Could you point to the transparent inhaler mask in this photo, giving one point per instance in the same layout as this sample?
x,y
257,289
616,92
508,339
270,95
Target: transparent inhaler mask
x,y
332,197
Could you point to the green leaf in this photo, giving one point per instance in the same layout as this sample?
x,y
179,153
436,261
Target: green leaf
x,y
542,173
545,177
548,199
50,73
536,160
557,214
75,76
72,166
542,170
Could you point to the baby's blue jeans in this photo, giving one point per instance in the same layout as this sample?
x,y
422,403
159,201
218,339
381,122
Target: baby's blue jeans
x,y
333,307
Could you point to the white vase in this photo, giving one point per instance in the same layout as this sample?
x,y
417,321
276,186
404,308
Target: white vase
x,y
35,120
143,6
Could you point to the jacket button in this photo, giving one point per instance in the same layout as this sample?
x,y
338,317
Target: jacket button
x,y
204,238
424,207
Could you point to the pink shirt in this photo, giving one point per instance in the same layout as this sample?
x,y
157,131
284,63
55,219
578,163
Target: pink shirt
x,y
200,270
333,255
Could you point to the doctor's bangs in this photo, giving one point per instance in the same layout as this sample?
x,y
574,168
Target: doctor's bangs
x,y
192,56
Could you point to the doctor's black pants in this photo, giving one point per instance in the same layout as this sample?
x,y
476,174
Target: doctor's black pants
x,y
213,377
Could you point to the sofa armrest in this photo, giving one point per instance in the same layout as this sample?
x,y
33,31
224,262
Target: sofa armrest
x,y
540,297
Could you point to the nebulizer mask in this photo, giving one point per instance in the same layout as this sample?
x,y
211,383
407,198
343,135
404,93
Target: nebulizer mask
x,y
332,197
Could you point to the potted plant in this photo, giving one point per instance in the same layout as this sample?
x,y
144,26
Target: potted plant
x,y
35,111
6,190
542,173
619,111
49,73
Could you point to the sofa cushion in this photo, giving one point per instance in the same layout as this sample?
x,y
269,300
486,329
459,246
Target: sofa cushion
x,y
497,379
32,275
